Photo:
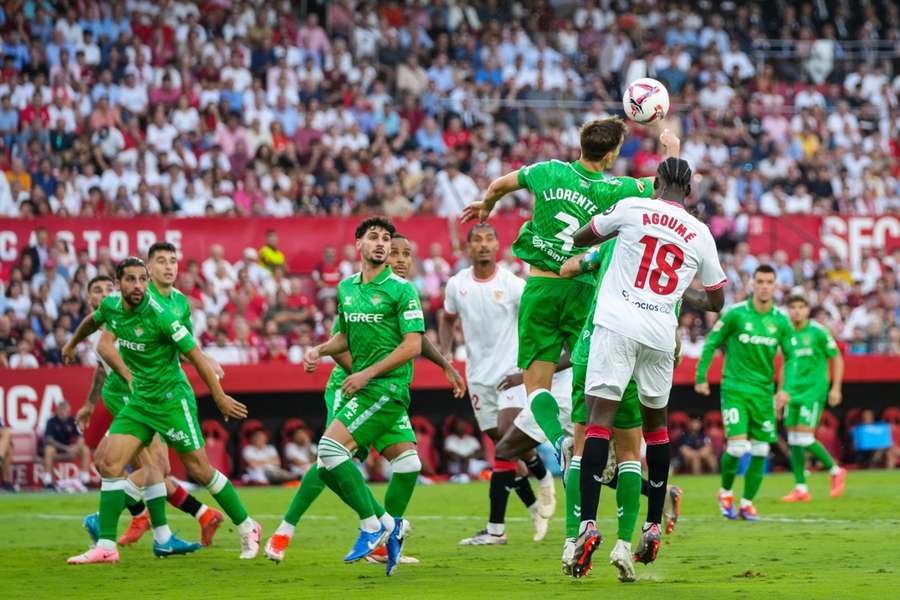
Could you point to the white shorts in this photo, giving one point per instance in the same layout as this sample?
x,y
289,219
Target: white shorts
x,y
488,401
562,391
614,359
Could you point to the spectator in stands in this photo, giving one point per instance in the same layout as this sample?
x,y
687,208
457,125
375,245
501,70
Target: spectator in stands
x,y
695,449
269,255
5,458
463,452
23,358
63,442
263,465
299,452
327,274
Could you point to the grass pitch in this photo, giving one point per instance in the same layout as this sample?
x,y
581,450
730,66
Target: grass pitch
x,y
844,548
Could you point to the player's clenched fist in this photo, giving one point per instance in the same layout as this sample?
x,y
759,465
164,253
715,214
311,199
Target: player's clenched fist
x,y
68,354
702,388
311,360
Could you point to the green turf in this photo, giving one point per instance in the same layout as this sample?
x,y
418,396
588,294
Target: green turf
x,y
846,548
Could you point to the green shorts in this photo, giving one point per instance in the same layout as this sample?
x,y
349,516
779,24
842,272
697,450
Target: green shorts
x,y
749,413
400,431
551,314
803,414
175,420
628,416
374,419
115,394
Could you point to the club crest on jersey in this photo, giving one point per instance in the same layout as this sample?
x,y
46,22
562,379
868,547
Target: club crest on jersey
x,y
748,327
348,300
498,295
771,329
376,299
138,331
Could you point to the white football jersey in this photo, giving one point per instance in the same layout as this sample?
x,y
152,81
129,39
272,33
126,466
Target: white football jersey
x,y
489,312
94,339
660,248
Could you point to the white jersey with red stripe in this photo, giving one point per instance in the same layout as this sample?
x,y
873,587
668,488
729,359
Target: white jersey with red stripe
x,y
660,248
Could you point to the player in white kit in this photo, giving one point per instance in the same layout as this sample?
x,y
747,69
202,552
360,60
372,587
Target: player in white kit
x,y
660,248
485,299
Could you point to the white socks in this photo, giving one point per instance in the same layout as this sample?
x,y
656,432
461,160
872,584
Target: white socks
x,y
496,528
835,469
370,524
285,529
106,544
745,503
802,488
161,534
246,528
388,522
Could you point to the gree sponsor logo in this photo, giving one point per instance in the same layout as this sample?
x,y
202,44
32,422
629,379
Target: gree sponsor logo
x,y
359,317
758,340
137,347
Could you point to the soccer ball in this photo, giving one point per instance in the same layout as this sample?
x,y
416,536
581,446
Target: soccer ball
x,y
646,100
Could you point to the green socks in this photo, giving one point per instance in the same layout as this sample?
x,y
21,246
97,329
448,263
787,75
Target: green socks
x,y
225,494
628,497
573,498
405,470
754,476
112,501
819,451
729,470
546,413
155,499
798,464
311,487
344,479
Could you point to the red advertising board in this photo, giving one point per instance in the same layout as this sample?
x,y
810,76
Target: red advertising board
x,y
301,239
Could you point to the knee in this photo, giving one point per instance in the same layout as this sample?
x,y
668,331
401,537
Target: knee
x,y
738,448
759,449
407,462
105,466
504,450
49,453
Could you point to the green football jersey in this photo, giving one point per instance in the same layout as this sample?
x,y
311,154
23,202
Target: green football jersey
x,y
566,196
806,363
176,302
601,256
751,340
375,316
338,374
150,341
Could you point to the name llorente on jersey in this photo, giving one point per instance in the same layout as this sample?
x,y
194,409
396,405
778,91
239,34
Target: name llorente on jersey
x,y
567,195
669,222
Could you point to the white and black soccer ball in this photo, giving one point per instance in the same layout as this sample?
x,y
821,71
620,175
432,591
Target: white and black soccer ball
x,y
646,100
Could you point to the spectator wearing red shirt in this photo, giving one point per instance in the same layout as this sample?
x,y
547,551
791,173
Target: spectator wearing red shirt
x,y
327,274
455,135
646,159
35,111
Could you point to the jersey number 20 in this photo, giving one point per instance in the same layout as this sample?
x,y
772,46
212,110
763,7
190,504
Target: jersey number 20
x,y
663,266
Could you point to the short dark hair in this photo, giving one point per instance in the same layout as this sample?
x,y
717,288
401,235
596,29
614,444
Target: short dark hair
x,y
600,137
131,261
479,226
764,268
399,236
99,278
797,298
161,247
675,172
371,222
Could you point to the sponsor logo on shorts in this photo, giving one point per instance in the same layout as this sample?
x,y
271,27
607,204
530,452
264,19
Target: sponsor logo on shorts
x,y
352,406
767,426
757,340
176,436
648,306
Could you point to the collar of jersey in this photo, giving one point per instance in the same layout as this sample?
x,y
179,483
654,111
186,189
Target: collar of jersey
x,y
381,278
587,173
752,307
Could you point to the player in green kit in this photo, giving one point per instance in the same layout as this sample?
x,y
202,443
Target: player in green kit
x,y
751,332
163,270
151,339
805,375
566,196
380,322
396,444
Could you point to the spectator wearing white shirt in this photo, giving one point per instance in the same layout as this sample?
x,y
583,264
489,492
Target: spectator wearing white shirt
x,y
23,358
716,96
185,117
456,190
299,452
735,58
238,74
263,465
463,452
161,133
133,96
217,262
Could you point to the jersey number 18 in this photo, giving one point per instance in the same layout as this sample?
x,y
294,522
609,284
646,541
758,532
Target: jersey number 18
x,y
663,266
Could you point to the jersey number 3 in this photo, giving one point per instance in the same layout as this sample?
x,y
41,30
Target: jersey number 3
x,y
664,266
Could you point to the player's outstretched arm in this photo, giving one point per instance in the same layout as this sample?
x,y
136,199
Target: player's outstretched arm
x,y
84,414
711,301
85,329
455,380
409,348
108,352
670,143
499,187
229,407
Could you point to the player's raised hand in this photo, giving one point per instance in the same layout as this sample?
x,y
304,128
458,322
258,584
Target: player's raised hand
x,y
83,416
68,354
511,381
670,142
311,360
476,210
456,382
230,408
835,396
702,388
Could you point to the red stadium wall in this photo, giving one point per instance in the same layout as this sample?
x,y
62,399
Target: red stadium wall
x,y
302,239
